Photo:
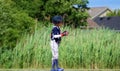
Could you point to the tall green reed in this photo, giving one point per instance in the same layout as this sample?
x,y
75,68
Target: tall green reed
x,y
98,48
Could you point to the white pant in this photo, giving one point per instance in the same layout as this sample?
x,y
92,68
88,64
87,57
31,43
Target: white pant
x,y
54,49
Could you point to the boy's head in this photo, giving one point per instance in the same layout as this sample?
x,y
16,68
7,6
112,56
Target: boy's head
x,y
57,20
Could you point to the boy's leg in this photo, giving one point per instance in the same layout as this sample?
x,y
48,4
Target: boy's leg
x,y
56,62
56,58
54,48
57,65
53,64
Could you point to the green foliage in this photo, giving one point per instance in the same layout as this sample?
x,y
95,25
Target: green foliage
x,y
65,8
44,10
16,16
13,24
84,49
114,13
31,7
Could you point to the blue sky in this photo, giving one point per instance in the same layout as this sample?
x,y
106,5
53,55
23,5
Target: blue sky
x,y
112,4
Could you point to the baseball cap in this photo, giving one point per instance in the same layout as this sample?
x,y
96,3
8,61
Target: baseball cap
x,y
57,19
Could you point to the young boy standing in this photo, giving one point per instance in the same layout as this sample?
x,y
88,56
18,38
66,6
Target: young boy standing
x,y
55,41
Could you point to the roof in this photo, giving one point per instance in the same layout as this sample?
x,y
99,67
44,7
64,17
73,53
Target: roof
x,y
109,22
91,23
97,11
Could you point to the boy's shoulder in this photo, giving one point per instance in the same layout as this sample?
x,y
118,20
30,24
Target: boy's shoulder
x,y
55,28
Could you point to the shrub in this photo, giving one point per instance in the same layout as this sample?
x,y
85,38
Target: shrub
x,y
44,10
13,24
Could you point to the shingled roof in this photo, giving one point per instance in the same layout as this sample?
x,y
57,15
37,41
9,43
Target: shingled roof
x,y
97,11
92,24
109,22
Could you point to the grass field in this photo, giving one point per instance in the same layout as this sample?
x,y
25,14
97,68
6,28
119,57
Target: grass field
x,y
82,49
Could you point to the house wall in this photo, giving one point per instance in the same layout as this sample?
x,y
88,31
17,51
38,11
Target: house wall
x,y
104,13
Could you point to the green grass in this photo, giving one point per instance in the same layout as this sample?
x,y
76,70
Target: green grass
x,y
84,49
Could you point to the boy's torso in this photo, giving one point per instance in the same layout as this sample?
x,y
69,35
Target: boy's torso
x,y
56,31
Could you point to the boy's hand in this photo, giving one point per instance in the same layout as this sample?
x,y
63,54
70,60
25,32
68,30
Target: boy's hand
x,y
65,33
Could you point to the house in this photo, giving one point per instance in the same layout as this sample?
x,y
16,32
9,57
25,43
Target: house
x,y
108,22
98,18
94,13
98,12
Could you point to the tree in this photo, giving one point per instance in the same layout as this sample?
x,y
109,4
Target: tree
x,y
114,13
17,16
31,7
44,10
65,8
13,24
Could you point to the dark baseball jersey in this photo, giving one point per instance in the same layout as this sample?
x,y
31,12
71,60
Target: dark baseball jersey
x,y
55,34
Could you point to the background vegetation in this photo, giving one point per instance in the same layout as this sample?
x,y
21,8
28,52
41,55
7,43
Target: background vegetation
x,y
81,49
20,16
115,12
13,24
25,29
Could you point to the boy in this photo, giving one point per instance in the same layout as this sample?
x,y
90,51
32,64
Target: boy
x,y
55,41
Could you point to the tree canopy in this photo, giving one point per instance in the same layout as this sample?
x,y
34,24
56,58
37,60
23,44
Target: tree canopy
x,y
44,10
13,24
116,12
18,16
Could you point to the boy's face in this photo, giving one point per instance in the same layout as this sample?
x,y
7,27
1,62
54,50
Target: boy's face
x,y
60,24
